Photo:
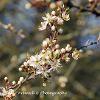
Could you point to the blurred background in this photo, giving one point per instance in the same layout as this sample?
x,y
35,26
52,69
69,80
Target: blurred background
x,y
80,79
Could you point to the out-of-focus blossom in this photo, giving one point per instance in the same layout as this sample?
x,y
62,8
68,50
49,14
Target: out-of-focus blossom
x,y
62,80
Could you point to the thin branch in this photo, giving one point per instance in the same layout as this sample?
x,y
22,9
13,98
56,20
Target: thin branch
x,y
24,81
90,44
84,9
69,4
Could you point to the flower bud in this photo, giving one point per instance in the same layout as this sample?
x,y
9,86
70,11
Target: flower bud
x,y
53,28
63,50
20,80
13,82
60,21
25,63
43,51
20,69
57,46
57,52
68,47
47,40
6,78
44,44
53,12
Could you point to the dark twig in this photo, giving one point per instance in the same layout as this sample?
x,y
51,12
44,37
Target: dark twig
x,y
90,44
84,9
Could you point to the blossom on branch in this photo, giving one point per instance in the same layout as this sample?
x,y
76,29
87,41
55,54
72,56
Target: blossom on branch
x,y
55,19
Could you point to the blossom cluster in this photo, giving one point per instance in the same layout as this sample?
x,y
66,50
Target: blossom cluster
x,y
51,55
49,58
55,19
8,91
7,94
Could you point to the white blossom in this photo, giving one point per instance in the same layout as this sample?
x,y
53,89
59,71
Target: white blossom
x,y
68,47
65,16
7,93
60,21
44,43
43,25
53,28
76,54
63,50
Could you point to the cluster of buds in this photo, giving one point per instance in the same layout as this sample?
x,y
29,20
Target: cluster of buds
x,y
55,19
8,92
49,58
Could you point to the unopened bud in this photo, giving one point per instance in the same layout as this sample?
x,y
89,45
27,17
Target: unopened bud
x,y
47,40
53,28
63,50
25,63
44,44
6,78
53,12
20,69
20,80
60,21
57,52
13,82
57,46
43,51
